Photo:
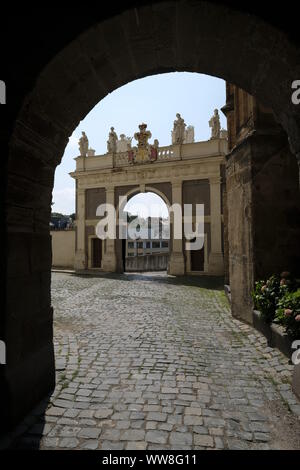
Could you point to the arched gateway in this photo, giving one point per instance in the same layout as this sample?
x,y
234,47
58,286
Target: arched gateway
x,y
183,173
65,74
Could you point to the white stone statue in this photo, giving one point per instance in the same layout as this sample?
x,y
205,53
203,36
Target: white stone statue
x,y
189,135
122,143
223,134
83,144
91,152
112,141
178,133
215,125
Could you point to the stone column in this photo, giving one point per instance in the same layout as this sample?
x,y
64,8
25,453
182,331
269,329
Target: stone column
x,y
80,254
177,262
216,262
109,262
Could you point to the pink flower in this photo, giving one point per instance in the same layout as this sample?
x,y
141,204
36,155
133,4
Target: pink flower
x,y
297,317
283,282
288,312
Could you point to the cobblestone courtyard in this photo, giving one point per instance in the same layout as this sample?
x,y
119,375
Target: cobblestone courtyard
x,y
154,362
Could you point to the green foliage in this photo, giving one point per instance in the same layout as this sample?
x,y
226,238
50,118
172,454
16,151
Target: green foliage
x,y
278,300
288,313
266,295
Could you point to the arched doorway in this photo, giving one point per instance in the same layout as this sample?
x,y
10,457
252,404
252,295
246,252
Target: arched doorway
x,y
147,245
147,40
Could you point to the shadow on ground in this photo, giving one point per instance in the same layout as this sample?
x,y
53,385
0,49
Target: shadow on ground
x,y
28,434
204,282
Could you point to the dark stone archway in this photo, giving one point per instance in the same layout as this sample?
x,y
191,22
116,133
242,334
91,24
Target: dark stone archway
x,y
98,56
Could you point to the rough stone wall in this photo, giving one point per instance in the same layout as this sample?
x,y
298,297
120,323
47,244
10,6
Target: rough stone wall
x,y
276,206
29,342
239,229
262,193
224,212
263,215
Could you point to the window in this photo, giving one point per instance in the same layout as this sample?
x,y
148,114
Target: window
x,y
130,244
155,244
148,244
165,244
140,244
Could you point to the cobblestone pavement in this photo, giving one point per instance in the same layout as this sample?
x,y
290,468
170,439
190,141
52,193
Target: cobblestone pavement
x,y
154,362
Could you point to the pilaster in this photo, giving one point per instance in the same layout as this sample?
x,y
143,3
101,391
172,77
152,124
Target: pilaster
x,y
216,261
177,261
80,254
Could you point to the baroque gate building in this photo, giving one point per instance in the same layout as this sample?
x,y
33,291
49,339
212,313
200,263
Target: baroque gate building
x,y
185,172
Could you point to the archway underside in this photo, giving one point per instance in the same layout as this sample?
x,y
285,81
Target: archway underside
x,y
167,36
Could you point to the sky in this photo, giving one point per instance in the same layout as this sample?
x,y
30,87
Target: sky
x,y
147,205
154,100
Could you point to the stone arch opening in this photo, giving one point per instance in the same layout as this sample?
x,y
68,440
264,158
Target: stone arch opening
x,y
136,191
240,48
148,240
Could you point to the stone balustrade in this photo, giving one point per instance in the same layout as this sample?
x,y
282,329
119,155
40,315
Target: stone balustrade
x,y
165,153
193,150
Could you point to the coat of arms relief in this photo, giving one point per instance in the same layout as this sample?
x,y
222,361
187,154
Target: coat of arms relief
x,y
144,152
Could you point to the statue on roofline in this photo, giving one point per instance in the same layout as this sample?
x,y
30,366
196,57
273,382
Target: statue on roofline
x,y
122,143
189,135
83,144
154,151
91,152
178,134
112,141
215,125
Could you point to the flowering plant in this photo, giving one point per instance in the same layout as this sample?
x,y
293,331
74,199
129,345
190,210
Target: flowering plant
x,y
266,294
288,313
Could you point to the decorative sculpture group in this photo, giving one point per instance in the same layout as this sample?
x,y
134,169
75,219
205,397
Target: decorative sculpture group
x,y
115,145
145,152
